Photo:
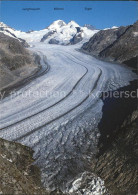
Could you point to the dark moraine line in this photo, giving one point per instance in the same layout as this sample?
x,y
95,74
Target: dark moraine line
x,y
29,133
34,130
52,104
44,100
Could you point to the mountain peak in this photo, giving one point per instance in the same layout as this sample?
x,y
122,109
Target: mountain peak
x,y
114,27
57,24
57,33
73,24
89,26
3,25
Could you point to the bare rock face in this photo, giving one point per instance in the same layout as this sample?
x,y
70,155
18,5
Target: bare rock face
x,y
53,41
18,175
125,48
47,35
16,62
118,164
77,37
119,44
103,39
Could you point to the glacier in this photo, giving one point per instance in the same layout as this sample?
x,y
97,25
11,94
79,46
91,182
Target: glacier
x,y
58,113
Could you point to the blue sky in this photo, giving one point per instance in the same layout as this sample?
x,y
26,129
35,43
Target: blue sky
x,y
103,14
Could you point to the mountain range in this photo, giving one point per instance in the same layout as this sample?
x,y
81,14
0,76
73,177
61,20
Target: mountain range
x,y
116,44
57,33
58,128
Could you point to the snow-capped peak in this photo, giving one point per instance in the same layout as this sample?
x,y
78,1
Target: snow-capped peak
x,y
7,30
3,25
89,26
57,24
73,24
114,27
6,27
57,33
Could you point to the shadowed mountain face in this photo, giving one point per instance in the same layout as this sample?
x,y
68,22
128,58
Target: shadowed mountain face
x,y
15,61
119,44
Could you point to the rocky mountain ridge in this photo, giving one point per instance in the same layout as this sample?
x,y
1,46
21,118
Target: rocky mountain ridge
x,y
7,30
117,44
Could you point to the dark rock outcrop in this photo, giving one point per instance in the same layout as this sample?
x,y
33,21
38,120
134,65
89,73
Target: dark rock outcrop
x,y
47,35
78,29
76,39
53,41
119,44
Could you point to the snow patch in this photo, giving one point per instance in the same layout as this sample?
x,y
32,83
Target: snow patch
x,y
135,34
88,184
4,156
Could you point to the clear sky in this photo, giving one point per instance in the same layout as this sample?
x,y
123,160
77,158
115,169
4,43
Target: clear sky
x,y
104,14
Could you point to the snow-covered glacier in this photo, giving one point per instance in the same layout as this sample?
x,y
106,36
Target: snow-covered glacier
x,y
57,114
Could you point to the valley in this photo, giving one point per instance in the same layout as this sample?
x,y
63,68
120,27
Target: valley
x,y
57,113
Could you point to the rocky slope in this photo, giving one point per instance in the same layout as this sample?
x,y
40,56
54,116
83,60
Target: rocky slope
x,y
116,161
118,44
16,63
7,30
118,166
18,175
